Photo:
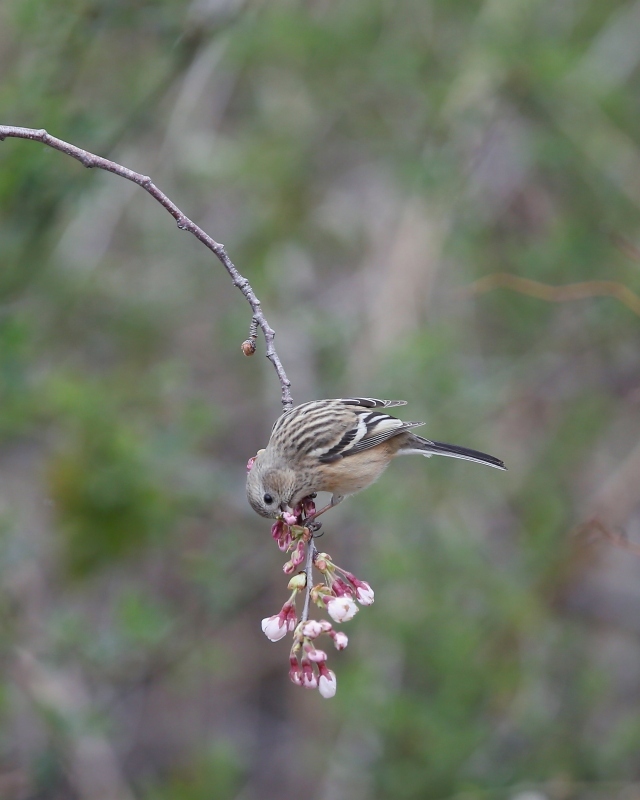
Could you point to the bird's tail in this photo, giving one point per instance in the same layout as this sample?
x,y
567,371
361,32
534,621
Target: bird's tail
x,y
425,447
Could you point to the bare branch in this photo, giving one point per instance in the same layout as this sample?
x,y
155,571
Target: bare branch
x,y
557,294
616,538
308,571
90,160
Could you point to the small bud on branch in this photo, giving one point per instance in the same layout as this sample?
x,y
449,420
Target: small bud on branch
x,y
91,160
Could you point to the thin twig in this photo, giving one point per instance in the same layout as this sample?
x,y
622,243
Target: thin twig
x,y
90,160
557,294
617,539
308,571
626,247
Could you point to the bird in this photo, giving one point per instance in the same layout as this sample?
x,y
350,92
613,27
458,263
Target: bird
x,y
340,446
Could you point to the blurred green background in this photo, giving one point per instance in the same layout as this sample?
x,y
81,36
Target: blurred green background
x,y
365,162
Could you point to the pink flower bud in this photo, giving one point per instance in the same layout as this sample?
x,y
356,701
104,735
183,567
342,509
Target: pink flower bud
x,y
289,519
291,619
342,609
340,640
297,557
323,562
288,568
311,629
308,506
277,529
284,541
326,626
364,594
317,655
341,589
295,671
327,684
309,679
274,628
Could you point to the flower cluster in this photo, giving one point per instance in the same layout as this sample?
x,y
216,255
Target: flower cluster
x,y
338,594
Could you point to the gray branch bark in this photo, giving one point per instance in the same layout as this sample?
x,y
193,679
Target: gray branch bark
x,y
90,160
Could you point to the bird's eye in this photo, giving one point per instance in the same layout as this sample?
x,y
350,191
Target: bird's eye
x,y
268,499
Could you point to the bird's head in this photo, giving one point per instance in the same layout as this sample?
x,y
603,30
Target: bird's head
x,y
270,486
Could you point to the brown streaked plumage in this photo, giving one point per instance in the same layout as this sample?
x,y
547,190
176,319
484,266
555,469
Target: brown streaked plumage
x,y
338,446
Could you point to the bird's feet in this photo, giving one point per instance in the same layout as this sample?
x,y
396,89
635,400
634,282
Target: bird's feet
x,y
313,527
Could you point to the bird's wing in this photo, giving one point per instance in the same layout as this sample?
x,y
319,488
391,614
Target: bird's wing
x,y
365,429
316,408
370,402
332,429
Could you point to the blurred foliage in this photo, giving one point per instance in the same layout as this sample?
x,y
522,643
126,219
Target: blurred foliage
x,y
364,163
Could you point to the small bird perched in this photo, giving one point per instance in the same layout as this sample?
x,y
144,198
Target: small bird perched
x,y
337,446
